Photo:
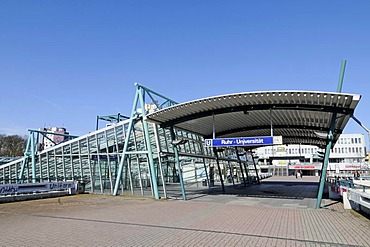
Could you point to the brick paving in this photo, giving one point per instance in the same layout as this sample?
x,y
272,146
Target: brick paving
x,y
101,220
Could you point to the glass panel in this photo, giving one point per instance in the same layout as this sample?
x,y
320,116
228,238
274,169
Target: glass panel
x,y
92,144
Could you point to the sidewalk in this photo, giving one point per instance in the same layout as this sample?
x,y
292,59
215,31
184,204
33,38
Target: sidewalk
x,y
98,220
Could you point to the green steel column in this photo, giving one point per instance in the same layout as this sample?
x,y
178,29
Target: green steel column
x,y
326,161
246,168
138,163
205,170
149,146
201,147
25,159
33,153
159,151
127,137
255,167
92,179
108,158
99,163
231,172
130,175
341,76
330,136
139,173
55,166
219,169
178,165
240,164
48,167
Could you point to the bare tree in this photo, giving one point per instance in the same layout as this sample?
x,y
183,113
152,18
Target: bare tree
x,y
1,143
12,146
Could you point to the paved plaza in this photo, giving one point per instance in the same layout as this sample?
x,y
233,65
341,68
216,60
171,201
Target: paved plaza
x,y
268,217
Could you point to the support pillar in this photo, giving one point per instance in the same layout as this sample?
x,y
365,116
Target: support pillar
x,y
178,165
240,164
330,141
125,146
148,145
219,169
255,168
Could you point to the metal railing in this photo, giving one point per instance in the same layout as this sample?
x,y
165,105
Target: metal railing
x,y
355,191
29,188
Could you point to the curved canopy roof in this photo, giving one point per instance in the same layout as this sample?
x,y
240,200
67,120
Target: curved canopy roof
x,y
298,116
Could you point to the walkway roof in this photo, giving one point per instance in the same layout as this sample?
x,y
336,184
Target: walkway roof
x,y
298,116
5,159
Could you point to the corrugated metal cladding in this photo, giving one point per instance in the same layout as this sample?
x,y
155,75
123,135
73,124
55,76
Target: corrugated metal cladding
x,y
295,115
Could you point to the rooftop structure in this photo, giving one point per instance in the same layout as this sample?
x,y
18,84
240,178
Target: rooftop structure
x,y
301,117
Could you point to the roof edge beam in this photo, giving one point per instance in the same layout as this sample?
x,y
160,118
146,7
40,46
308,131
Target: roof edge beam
x,y
332,109
276,127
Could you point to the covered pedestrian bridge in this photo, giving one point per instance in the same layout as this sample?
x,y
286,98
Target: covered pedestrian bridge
x,y
162,144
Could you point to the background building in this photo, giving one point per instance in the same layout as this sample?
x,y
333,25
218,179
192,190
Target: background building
x,y
52,139
347,156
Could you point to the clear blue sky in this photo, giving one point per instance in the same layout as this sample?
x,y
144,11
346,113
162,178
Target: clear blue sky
x,y
62,63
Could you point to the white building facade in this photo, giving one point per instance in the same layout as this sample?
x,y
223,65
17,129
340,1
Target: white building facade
x,y
52,138
347,156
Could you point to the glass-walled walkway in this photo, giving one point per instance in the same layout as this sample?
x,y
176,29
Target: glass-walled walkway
x,y
149,161
94,159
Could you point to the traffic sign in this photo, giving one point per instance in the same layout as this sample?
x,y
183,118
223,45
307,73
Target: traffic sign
x,y
243,141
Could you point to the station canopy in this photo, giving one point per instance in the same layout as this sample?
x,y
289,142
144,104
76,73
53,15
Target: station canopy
x,y
300,117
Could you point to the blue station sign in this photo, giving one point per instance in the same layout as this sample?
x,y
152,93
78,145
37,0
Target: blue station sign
x,y
241,141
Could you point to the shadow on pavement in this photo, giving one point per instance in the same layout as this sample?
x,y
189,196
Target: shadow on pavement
x,y
267,189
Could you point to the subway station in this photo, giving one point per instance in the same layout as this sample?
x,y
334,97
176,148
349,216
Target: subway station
x,y
164,147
